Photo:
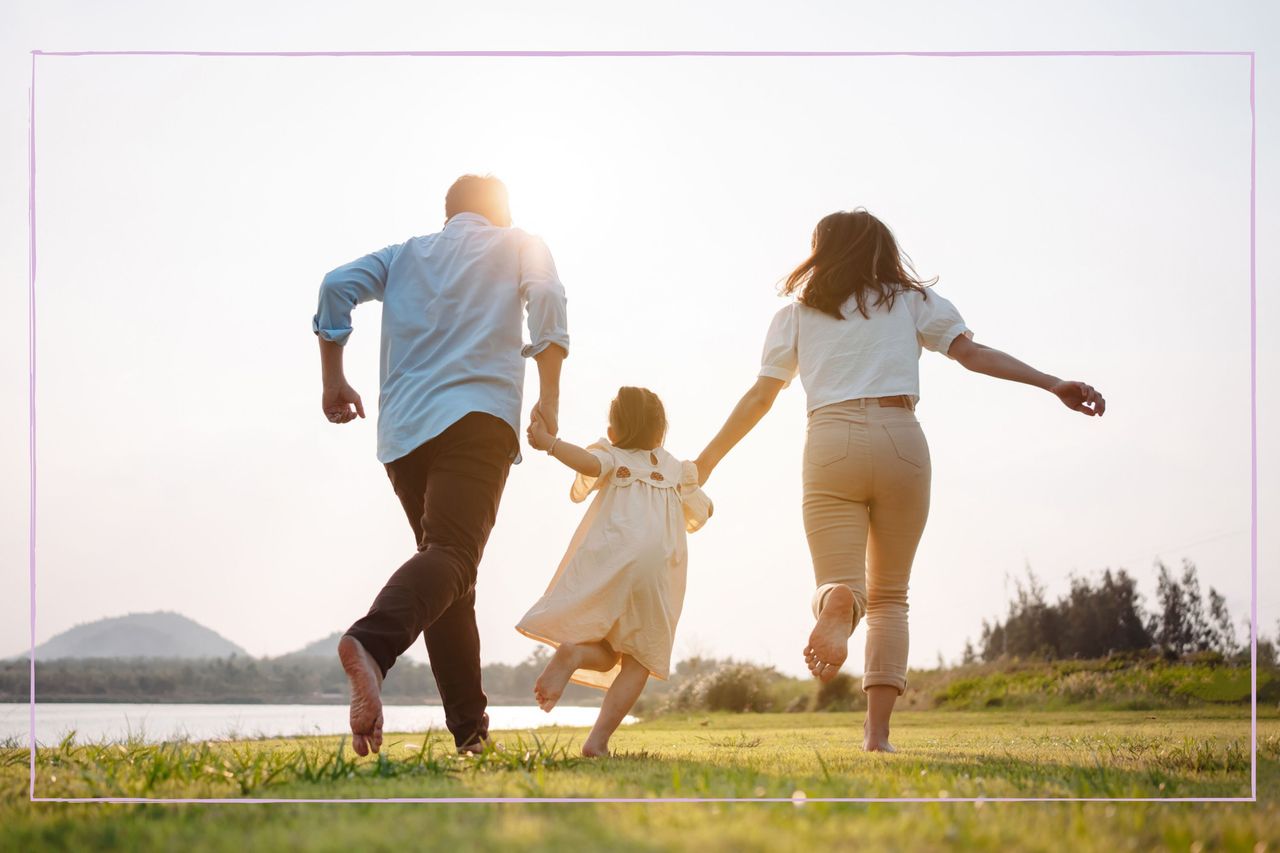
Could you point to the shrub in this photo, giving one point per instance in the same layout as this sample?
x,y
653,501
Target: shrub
x,y
1081,686
729,687
1212,657
737,687
838,694
791,694
798,705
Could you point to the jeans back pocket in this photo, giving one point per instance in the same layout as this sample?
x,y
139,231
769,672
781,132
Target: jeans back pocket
x,y
826,444
909,443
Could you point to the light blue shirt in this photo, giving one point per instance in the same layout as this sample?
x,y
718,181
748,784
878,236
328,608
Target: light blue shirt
x,y
453,306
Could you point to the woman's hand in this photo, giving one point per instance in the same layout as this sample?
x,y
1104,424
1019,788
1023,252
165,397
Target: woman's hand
x,y
1076,396
1080,397
540,438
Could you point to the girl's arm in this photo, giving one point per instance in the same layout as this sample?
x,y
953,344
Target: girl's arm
x,y
577,458
1077,396
753,406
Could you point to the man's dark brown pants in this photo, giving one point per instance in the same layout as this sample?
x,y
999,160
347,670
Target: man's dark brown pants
x,y
450,488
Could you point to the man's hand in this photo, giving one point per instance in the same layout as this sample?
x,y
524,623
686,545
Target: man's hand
x,y
341,403
1080,397
540,438
548,411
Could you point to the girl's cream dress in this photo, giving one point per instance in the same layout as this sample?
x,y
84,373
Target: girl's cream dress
x,y
622,578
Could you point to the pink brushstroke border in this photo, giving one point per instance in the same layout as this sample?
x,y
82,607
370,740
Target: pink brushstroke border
x,y
1253,403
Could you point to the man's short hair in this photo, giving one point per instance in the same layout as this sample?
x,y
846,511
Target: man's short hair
x,y
482,194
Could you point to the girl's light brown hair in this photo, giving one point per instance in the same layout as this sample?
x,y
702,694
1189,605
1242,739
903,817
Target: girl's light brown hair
x,y
638,419
854,254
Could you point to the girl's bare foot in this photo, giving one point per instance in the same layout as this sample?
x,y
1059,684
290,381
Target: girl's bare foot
x,y
829,643
366,695
549,687
618,700
591,749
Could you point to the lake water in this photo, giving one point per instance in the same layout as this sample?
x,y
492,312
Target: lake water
x,y
94,722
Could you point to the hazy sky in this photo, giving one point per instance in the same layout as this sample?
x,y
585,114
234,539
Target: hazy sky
x,y
1089,215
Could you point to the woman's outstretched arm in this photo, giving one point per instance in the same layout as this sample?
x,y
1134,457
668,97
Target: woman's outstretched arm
x,y
753,406
982,359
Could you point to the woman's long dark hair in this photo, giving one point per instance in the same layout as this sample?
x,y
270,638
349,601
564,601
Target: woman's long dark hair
x,y
854,254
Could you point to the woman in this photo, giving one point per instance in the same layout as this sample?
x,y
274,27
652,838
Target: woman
x,y
854,335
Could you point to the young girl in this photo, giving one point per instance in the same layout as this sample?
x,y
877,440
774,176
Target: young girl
x,y
612,607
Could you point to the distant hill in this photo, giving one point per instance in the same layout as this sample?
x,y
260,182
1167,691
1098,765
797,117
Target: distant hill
x,y
325,647
139,635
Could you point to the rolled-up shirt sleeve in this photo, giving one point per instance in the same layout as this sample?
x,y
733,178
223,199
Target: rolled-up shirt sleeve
x,y
346,287
781,358
938,323
543,297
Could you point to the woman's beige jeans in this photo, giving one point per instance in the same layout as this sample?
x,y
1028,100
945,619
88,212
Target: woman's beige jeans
x,y
866,498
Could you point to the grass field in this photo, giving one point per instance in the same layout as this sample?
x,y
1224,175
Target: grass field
x,y
799,757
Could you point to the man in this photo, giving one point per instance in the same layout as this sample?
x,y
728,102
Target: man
x,y
452,372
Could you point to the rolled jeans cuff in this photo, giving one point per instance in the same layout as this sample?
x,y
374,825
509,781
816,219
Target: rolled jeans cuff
x,y
820,598
884,679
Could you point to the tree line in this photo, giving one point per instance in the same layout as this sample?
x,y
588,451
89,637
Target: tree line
x,y
291,679
1094,619
1103,617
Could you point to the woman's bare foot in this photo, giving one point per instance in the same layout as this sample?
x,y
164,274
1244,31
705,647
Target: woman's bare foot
x,y
591,749
549,687
829,643
366,695
877,742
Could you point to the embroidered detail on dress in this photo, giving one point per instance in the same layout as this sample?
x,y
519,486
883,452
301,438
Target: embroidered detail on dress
x,y
656,476
623,472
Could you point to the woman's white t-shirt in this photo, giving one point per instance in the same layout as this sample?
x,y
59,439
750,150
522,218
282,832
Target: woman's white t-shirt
x,y
876,356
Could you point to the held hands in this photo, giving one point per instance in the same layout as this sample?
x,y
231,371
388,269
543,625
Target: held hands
x,y
548,411
1080,397
341,403
540,437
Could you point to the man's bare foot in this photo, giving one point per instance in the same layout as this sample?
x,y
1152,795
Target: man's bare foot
x,y
829,643
475,747
591,749
549,687
878,742
366,695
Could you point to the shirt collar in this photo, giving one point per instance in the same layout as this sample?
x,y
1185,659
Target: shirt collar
x,y
459,219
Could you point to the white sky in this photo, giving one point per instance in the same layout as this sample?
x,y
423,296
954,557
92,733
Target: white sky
x,y
1089,215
